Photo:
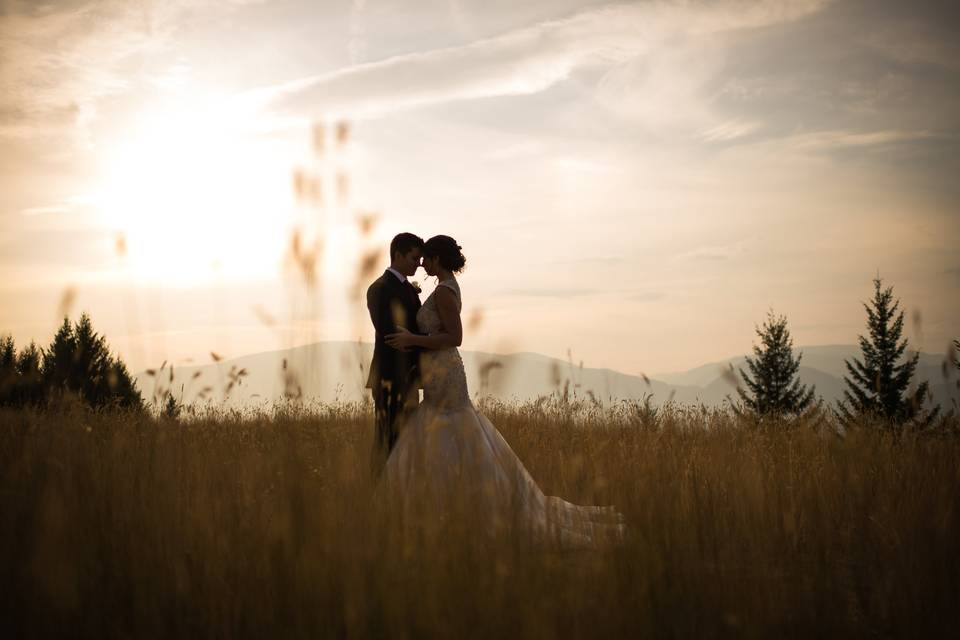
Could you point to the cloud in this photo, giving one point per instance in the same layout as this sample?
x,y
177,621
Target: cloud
x,y
568,292
47,248
524,61
647,296
59,62
914,42
711,254
849,78
589,260
521,150
53,208
69,205
903,145
828,140
573,164
357,44
549,293
730,130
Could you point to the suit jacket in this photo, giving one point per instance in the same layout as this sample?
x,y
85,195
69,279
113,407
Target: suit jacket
x,y
392,304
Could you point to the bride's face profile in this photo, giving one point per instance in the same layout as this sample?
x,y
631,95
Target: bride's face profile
x,y
431,265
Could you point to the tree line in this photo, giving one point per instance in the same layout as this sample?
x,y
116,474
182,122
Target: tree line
x,y
878,383
77,362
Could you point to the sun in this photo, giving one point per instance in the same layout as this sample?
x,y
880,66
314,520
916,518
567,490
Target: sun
x,y
198,195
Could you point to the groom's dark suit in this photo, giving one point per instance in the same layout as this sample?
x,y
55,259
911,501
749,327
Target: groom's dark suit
x,y
394,375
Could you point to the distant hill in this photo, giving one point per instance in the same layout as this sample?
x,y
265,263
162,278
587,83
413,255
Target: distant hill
x,y
329,371
820,365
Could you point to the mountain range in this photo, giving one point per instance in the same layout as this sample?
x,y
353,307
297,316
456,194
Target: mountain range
x,y
331,371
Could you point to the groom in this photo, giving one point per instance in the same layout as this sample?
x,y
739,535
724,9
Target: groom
x,y
393,302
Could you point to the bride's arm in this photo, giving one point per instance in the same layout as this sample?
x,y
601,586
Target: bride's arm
x,y
450,335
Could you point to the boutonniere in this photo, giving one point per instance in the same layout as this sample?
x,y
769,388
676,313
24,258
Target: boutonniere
x,y
415,285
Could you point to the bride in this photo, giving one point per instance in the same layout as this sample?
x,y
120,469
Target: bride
x,y
447,449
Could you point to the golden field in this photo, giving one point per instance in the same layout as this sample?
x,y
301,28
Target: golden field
x,y
268,524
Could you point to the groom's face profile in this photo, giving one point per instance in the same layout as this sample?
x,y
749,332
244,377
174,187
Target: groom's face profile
x,y
408,263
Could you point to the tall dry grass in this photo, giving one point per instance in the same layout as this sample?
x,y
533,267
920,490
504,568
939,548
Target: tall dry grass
x,y
269,525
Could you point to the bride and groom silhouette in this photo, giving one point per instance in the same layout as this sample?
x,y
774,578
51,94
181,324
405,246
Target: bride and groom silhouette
x,y
442,449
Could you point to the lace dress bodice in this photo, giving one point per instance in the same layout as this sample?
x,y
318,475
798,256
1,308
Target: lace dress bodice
x,y
441,370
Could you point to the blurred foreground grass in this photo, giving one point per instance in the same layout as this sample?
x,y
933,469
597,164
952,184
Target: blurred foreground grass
x,y
236,525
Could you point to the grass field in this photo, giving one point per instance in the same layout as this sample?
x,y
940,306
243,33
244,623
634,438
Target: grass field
x,y
268,525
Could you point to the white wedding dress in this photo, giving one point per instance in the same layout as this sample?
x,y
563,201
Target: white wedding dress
x,y
448,453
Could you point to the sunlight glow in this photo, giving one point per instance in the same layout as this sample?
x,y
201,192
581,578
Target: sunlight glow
x,y
197,195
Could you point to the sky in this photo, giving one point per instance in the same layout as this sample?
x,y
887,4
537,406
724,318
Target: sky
x,y
636,184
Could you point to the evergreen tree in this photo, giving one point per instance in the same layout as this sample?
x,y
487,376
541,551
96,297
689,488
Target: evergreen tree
x,y
9,378
956,349
877,385
79,361
91,364
123,388
58,359
772,386
30,391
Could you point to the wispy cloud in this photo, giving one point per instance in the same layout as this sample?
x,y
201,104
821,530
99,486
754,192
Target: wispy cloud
x,y
594,260
582,165
59,62
711,254
570,292
841,141
523,61
53,208
523,149
357,44
914,42
730,130
69,205
646,296
557,292
824,141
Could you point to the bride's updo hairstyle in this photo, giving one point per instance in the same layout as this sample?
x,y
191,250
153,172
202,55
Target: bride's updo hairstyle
x,y
449,252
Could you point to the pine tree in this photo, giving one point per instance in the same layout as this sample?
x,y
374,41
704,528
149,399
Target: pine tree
x,y
9,378
123,388
79,361
773,387
58,359
91,364
30,391
877,386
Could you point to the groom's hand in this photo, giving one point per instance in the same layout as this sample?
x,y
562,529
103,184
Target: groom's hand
x,y
402,340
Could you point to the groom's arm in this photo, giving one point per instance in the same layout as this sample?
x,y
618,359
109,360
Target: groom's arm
x,y
386,312
379,311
